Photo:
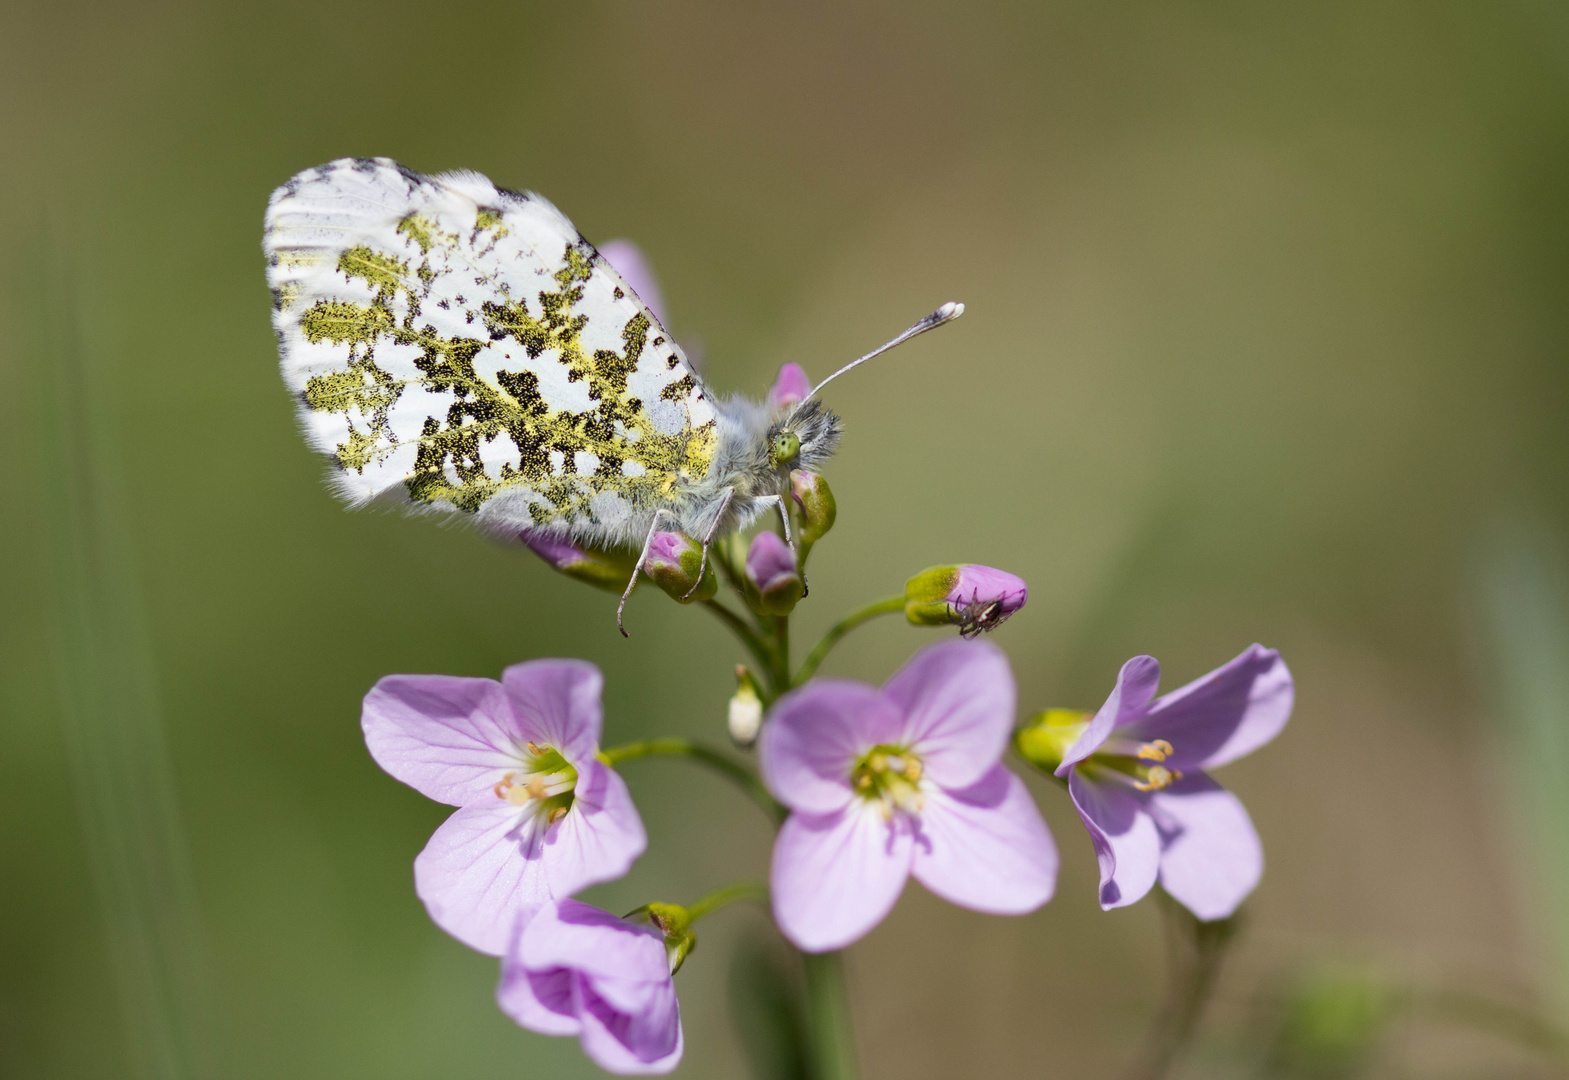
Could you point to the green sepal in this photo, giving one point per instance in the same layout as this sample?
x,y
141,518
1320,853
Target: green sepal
x,y
673,921
1045,738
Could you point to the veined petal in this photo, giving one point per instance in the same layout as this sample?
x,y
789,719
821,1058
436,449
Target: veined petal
x,y
835,876
541,1001
1126,842
986,847
599,838
448,738
1211,858
814,736
1219,717
475,875
573,934
644,1042
556,703
1136,684
958,702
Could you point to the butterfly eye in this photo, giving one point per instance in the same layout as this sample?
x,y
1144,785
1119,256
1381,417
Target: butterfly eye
x,y
787,444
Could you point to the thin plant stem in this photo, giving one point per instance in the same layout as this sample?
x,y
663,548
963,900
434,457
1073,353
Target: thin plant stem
x,y
739,774
737,625
828,1018
866,614
1195,950
727,894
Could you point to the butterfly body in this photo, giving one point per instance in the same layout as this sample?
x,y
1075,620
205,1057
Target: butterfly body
x,y
459,348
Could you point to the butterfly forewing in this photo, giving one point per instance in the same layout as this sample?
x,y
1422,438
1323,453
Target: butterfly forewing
x,y
463,348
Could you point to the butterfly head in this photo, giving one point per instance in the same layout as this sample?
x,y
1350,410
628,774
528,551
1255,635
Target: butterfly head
x,y
804,437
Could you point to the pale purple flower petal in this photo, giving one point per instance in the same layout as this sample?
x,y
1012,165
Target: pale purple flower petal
x,y
835,876
958,700
574,969
1221,716
815,735
448,738
1136,684
1126,841
1211,858
628,260
558,550
556,704
980,586
986,847
475,874
599,839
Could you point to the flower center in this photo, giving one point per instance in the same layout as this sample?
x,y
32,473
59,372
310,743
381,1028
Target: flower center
x,y
544,785
890,776
1140,762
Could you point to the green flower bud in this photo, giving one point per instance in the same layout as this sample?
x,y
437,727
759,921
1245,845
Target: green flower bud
x,y
673,921
1044,741
602,568
672,563
746,709
816,501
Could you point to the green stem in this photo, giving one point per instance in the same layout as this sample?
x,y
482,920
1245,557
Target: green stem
x,y
1195,950
728,894
755,645
736,772
828,1018
871,611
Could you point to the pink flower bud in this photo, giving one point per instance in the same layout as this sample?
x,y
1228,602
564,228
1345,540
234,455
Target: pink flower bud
x,y
606,569
774,583
673,562
790,388
818,509
974,598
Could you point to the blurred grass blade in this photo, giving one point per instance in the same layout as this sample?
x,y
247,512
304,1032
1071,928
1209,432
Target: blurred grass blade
x,y
1524,592
765,1004
108,703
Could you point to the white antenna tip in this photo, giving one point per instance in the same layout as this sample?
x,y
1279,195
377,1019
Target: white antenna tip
x,y
950,310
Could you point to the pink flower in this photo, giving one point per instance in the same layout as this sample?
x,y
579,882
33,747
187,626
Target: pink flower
x,y
790,387
1137,775
772,576
541,817
975,598
628,260
572,969
899,781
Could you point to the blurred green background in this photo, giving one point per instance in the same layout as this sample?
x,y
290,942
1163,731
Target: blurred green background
x,y
1266,334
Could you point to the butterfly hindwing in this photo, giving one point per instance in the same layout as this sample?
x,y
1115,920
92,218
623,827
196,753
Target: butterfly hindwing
x,y
463,348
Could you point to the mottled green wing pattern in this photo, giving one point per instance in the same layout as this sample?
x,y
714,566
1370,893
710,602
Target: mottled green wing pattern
x,y
463,348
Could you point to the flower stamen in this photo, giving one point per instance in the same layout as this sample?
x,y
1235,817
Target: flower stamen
x,y
1156,750
891,776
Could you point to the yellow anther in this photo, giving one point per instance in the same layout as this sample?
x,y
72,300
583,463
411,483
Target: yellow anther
x,y
533,749
517,795
863,781
1158,777
878,762
912,769
535,787
1156,750
503,784
557,814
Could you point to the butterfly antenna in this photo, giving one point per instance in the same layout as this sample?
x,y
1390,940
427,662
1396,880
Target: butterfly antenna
x,y
947,313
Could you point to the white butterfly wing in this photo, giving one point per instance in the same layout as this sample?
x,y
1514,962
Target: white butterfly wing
x,y
463,348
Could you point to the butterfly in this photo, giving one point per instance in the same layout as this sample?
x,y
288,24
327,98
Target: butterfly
x,y
459,348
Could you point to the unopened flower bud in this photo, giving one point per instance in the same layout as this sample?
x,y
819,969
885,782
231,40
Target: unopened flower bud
x,y
974,598
774,584
746,709
818,509
790,388
673,921
604,568
673,562
1045,739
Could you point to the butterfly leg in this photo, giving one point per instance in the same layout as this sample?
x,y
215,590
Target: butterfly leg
x,y
708,539
638,569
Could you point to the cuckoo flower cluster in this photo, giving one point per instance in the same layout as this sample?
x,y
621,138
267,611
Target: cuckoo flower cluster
x,y
868,786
